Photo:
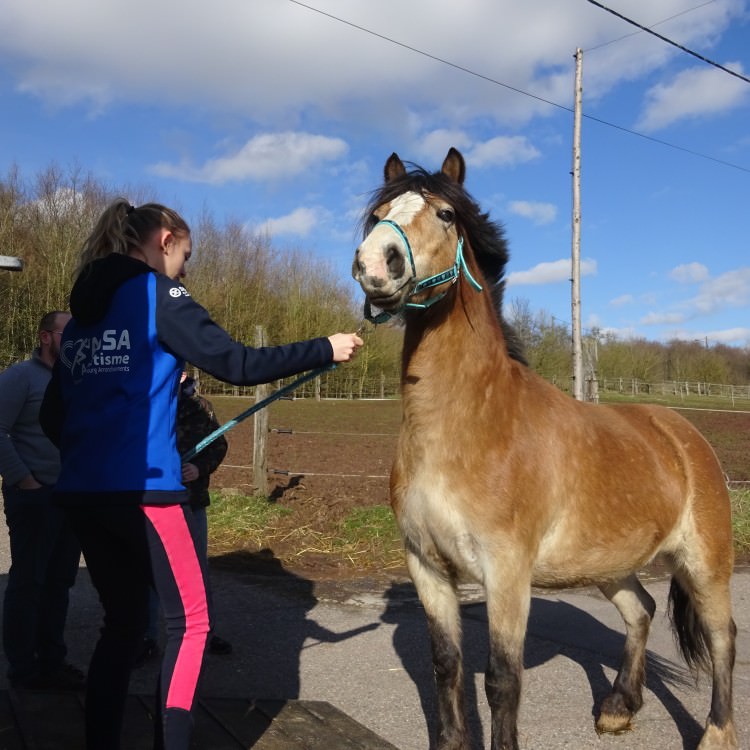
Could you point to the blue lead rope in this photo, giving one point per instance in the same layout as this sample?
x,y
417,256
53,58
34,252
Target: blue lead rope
x,y
193,452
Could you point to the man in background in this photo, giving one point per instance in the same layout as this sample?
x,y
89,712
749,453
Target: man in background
x,y
43,549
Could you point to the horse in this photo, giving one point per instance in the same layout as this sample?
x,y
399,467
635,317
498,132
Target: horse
x,y
503,479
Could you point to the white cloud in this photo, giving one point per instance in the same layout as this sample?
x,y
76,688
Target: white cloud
x,y
266,156
435,145
693,93
622,300
299,222
731,289
689,273
269,62
662,318
539,213
727,336
502,151
550,273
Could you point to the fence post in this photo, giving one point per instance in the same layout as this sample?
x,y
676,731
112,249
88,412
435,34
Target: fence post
x,y
260,430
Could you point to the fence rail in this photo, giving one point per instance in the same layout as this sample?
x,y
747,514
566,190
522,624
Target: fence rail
x,y
332,385
681,388
337,385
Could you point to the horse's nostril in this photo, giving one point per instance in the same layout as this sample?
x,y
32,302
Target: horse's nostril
x,y
395,261
357,268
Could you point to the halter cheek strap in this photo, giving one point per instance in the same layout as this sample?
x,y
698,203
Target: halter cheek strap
x,y
449,275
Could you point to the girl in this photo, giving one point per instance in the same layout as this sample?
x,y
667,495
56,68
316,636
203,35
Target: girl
x,y
111,408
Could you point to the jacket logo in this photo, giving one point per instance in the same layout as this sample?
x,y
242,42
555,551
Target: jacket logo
x,y
178,291
110,353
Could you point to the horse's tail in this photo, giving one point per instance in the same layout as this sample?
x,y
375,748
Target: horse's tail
x,y
688,627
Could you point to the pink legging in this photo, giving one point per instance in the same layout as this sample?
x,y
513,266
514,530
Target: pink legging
x,y
181,583
187,617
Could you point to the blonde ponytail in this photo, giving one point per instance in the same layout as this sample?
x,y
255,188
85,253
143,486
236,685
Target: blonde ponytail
x,y
123,227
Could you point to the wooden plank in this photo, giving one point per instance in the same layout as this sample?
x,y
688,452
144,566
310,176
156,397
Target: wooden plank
x,y
320,726
342,723
252,728
48,720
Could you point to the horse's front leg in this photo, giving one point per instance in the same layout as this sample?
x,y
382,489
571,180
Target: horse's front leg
x,y
508,601
440,601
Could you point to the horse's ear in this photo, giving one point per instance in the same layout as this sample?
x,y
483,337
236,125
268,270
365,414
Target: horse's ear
x,y
454,166
394,168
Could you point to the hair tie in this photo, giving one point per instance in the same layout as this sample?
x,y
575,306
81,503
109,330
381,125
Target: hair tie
x,y
129,210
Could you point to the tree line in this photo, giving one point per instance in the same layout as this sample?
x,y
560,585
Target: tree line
x,y
548,348
235,273
245,282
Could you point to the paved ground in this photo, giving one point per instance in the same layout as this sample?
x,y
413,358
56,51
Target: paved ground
x,y
363,648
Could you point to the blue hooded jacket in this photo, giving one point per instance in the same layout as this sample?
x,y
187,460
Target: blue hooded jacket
x,y
111,404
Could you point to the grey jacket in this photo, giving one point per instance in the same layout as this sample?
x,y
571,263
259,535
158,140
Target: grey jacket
x,y
24,448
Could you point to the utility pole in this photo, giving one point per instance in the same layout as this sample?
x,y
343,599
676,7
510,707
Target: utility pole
x,y
576,254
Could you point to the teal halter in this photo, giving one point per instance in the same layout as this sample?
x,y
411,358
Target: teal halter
x,y
451,274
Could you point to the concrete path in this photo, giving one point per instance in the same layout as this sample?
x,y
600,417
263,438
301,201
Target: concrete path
x,y
364,649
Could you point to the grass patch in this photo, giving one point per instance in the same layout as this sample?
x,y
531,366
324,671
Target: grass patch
x,y
369,536
364,539
236,521
741,522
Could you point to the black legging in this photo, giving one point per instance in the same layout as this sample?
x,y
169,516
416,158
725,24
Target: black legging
x,y
122,545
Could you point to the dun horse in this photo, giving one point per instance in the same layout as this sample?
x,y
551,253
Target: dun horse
x,y
501,478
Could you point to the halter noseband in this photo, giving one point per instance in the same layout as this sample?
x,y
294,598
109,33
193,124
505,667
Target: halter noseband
x,y
450,274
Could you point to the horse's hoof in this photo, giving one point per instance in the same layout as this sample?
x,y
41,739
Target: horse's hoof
x,y
609,724
719,739
614,716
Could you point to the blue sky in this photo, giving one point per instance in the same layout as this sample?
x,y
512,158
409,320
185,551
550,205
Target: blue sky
x,y
281,115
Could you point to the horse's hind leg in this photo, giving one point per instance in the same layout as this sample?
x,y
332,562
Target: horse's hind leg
x,y
702,616
440,601
637,608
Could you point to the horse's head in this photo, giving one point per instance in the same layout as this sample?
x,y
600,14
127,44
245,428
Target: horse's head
x,y
422,233
413,248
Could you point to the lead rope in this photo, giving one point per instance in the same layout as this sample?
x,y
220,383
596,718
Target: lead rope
x,y
193,452
217,433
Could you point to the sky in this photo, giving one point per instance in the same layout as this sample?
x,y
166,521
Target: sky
x,y
280,114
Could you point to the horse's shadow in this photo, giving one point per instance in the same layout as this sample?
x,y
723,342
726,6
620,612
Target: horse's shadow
x,y
554,628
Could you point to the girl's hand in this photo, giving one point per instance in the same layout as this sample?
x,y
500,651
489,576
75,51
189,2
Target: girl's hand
x,y
344,346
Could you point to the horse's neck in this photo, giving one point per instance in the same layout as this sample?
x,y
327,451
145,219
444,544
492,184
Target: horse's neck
x,y
454,354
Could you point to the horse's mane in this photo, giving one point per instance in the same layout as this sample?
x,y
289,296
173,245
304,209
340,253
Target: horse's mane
x,y
486,237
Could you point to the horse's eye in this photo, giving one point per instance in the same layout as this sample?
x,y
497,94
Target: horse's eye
x,y
446,215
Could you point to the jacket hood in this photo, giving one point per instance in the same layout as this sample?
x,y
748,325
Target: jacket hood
x,y
93,290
